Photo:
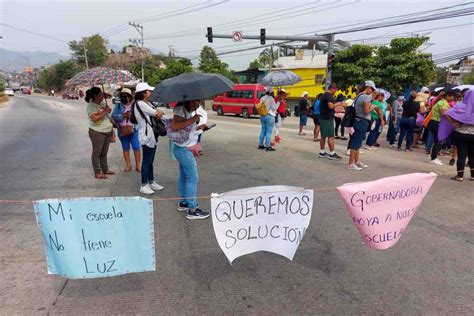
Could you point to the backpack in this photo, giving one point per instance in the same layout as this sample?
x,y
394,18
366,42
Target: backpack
x,y
262,108
156,124
349,115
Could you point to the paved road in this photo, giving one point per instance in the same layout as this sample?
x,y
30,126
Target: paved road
x,y
45,153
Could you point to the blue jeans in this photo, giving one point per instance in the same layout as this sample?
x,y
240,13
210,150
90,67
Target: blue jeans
x,y
360,130
188,176
393,131
374,134
132,140
147,164
407,127
429,141
268,122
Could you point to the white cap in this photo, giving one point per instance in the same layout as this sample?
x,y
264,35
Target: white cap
x,y
304,93
143,86
425,90
371,84
269,89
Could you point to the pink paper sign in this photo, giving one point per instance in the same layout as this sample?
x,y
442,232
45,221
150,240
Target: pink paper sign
x,y
382,209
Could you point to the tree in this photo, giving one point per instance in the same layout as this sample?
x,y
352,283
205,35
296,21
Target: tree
x,y
255,64
55,76
2,83
174,67
441,75
96,49
268,57
210,63
402,67
395,67
469,78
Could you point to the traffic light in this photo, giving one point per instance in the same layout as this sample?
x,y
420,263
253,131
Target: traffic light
x,y
209,34
331,60
262,36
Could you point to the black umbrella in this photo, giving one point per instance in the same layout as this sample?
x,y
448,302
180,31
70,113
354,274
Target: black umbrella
x,y
191,86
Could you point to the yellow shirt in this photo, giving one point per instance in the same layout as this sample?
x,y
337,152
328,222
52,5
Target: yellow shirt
x,y
104,125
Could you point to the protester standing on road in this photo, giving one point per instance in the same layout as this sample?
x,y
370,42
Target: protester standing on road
x,y
396,112
268,121
185,153
303,107
327,107
100,131
461,116
316,118
142,112
362,107
281,113
441,106
340,110
408,121
126,131
378,118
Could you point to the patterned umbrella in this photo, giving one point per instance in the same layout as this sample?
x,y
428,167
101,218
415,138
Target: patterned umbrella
x,y
100,76
280,78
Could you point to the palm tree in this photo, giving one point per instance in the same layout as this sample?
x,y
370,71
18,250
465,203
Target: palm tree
x,y
268,57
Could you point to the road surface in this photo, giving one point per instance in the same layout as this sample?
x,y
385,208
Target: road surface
x,y
45,152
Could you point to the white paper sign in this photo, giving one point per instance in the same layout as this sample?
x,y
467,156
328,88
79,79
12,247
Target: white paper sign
x,y
269,218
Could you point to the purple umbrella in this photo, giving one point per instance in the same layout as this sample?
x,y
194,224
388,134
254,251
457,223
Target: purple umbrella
x,y
462,112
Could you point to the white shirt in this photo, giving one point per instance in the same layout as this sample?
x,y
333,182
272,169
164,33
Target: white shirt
x,y
270,103
203,120
194,134
145,131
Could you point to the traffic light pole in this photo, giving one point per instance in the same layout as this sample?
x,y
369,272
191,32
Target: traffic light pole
x,y
329,65
263,37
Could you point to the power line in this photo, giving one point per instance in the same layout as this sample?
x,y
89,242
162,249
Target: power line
x,y
33,32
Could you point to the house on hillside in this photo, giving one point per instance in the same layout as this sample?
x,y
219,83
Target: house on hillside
x,y
461,69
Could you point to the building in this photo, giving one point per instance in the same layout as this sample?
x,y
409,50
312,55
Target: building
x,y
461,69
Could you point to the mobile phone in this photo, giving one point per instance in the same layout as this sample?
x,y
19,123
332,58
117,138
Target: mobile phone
x,y
210,125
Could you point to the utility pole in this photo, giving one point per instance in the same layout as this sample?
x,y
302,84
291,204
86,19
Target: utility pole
x,y
139,29
85,55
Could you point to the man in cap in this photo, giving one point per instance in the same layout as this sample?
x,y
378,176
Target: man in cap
x,y
303,110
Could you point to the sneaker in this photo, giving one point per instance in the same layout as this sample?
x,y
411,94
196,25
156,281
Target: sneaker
x,y
354,167
145,189
334,157
261,147
369,147
182,207
436,162
155,186
197,214
322,155
348,152
270,149
451,162
394,145
361,164
377,145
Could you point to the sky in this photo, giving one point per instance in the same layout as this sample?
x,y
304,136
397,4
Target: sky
x,y
66,20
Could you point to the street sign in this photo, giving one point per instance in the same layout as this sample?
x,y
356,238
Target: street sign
x,y
237,36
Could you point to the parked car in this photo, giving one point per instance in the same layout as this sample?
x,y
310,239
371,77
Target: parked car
x,y
26,91
9,92
240,101
171,105
71,95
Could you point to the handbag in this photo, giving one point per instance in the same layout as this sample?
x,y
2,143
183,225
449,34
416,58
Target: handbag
x,y
419,119
126,130
113,137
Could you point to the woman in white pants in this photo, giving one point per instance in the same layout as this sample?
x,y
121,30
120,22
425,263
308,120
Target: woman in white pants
x,y
281,113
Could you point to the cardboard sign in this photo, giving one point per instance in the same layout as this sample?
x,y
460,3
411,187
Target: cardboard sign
x,y
97,237
269,218
382,209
